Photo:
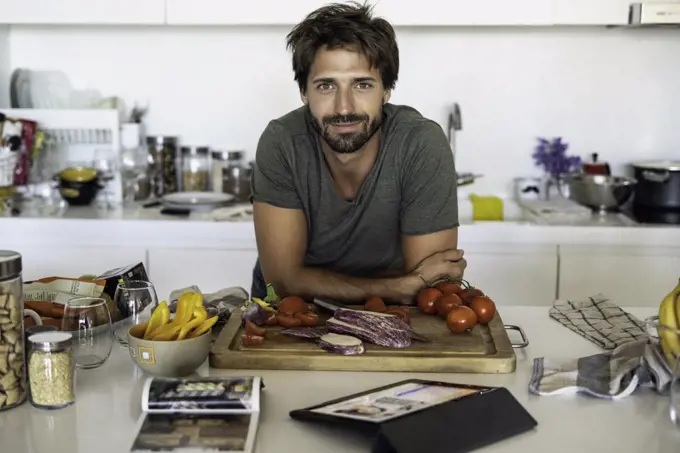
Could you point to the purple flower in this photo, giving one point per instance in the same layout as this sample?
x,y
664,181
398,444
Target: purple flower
x,y
551,155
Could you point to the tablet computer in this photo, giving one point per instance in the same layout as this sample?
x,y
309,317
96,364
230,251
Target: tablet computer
x,y
417,415
383,404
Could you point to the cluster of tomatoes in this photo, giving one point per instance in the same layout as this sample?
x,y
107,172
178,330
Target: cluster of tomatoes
x,y
461,305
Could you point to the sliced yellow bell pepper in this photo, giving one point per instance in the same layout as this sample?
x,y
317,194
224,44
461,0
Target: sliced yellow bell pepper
x,y
159,317
199,317
203,328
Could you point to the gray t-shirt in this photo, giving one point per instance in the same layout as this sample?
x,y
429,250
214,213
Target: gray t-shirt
x,y
411,190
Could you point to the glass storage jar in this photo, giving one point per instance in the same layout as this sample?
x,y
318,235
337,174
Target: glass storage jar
x,y
13,386
236,177
163,153
195,169
51,370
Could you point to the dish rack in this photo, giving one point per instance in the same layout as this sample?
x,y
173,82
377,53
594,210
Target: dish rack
x,y
74,136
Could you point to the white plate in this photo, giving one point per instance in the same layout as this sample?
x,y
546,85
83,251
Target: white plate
x,y
196,198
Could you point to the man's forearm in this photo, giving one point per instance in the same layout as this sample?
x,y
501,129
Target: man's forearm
x,y
311,282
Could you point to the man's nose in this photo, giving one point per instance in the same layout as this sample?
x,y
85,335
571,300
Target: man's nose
x,y
344,103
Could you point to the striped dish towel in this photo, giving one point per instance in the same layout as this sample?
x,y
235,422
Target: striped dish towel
x,y
632,359
610,375
599,320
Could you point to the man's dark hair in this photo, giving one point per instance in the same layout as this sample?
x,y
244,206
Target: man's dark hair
x,y
345,25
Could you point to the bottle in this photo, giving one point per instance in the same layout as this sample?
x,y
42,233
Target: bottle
x,y
13,386
51,370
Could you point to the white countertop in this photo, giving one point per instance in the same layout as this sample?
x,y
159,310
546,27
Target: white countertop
x,y
107,409
147,227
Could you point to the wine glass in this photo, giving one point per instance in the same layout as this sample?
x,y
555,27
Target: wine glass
x,y
106,163
136,301
88,319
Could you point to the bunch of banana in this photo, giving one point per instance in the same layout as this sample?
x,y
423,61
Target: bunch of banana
x,y
190,321
669,316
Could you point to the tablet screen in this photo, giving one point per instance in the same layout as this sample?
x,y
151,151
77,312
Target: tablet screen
x,y
394,402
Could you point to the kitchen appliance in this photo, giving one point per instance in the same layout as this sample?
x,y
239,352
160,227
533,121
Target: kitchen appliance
x,y
596,167
658,184
599,192
654,13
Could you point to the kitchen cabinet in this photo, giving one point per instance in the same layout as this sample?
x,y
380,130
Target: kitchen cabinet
x,y
68,261
510,274
466,12
254,12
398,12
590,12
209,269
628,276
102,12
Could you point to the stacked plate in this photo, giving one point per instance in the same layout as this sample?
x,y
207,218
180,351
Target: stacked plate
x,y
196,201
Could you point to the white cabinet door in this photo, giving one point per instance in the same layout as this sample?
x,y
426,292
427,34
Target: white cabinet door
x,y
209,269
466,12
82,12
70,261
628,276
591,12
253,12
513,274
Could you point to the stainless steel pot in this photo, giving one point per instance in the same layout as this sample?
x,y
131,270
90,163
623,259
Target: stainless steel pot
x,y
658,184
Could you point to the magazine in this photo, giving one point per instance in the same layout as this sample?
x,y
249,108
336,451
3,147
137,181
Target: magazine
x,y
199,414
394,402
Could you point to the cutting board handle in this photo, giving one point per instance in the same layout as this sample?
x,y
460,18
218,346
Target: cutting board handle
x,y
525,340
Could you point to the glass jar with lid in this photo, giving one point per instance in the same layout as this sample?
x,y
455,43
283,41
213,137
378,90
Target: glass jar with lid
x,y
13,386
195,168
163,153
236,177
51,370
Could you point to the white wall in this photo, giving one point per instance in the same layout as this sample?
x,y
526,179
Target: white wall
x,y
5,62
612,91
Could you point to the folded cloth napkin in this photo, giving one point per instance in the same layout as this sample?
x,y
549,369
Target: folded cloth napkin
x,y
599,320
610,375
633,359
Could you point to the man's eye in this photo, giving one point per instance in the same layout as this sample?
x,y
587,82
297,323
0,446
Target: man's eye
x,y
365,86
324,86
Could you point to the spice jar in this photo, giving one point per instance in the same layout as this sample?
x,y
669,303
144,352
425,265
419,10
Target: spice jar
x,y
13,387
195,168
51,370
163,153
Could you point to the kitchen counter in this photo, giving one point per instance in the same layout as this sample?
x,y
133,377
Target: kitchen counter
x,y
104,418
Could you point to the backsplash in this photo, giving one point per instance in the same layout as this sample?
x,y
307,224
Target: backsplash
x,y
611,91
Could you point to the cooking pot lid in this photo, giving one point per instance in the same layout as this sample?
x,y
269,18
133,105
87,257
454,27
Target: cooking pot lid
x,y
669,165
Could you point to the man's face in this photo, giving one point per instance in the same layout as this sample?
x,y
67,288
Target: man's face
x,y
345,96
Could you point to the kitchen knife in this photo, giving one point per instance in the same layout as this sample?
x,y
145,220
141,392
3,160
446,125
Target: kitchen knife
x,y
333,307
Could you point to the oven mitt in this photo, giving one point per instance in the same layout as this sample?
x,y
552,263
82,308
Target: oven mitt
x,y
599,320
609,375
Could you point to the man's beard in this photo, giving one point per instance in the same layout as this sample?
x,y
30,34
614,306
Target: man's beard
x,y
348,142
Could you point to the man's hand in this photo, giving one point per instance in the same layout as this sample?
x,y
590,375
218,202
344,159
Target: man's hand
x,y
449,264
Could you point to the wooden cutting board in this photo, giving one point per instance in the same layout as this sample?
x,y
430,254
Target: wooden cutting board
x,y
486,349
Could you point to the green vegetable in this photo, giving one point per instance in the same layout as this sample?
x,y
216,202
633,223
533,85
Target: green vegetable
x,y
271,297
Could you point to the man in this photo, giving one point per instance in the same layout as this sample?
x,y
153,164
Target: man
x,y
353,197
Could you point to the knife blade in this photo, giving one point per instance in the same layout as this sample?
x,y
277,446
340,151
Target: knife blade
x,y
332,307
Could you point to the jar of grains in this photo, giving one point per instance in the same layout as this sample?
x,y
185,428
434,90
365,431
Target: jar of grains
x,y
51,370
13,388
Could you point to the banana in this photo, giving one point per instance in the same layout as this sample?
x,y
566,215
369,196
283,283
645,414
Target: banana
x,y
669,316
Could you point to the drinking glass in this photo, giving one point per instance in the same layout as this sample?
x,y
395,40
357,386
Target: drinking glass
x,y
88,319
656,330
136,301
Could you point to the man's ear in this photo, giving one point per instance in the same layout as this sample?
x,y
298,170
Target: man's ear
x,y
303,98
387,96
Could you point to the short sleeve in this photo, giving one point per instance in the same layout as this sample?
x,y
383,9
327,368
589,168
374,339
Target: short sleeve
x,y
272,180
429,191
